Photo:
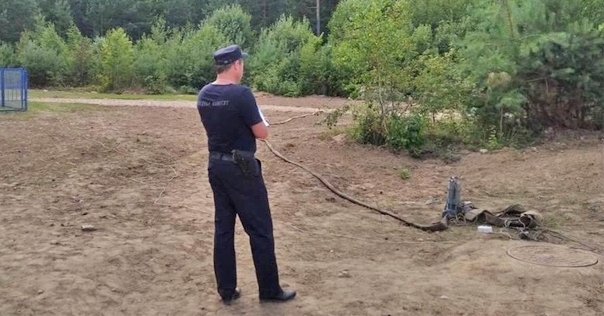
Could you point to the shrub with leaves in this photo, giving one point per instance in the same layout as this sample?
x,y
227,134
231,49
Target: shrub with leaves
x,y
285,59
189,63
82,58
407,132
373,48
7,55
377,48
45,55
317,72
17,16
500,69
439,88
150,59
116,60
537,63
234,23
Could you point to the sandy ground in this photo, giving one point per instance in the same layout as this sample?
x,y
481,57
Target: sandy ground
x,y
139,176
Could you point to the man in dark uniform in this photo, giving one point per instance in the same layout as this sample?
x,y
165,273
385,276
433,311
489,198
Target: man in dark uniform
x,y
233,121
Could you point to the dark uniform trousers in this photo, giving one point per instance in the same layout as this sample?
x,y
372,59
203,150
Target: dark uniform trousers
x,y
236,193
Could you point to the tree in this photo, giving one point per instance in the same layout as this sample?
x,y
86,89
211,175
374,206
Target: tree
x,y
82,57
191,73
537,63
275,65
59,13
234,23
45,54
150,58
7,55
16,16
116,59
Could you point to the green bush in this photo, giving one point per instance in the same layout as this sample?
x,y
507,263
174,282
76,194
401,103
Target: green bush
x,y
82,58
234,23
116,60
318,75
150,60
278,79
189,62
45,55
379,50
7,55
285,59
17,16
396,131
370,126
44,66
407,132
182,58
499,71
374,48
537,65
506,69
148,66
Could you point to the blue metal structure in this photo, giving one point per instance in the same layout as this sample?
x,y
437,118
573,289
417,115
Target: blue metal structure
x,y
13,89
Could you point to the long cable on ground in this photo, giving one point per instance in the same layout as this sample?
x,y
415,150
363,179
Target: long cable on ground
x,y
371,240
561,236
440,226
297,117
546,264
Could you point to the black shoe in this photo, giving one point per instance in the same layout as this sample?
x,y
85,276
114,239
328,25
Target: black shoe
x,y
283,297
232,297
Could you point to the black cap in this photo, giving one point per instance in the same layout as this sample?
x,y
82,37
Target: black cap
x,y
228,55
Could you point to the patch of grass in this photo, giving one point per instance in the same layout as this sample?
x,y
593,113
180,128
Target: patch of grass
x,y
334,131
404,174
33,93
35,108
41,107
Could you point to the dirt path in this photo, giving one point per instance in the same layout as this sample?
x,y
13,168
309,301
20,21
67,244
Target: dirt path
x,y
171,103
142,183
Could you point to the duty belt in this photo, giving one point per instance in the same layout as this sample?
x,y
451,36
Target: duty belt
x,y
230,156
221,156
243,160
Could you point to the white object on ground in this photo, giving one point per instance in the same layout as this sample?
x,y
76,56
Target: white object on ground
x,y
88,228
485,229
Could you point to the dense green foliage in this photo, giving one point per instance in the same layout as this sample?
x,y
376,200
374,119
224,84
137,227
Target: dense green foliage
x,y
289,60
96,17
509,68
434,73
